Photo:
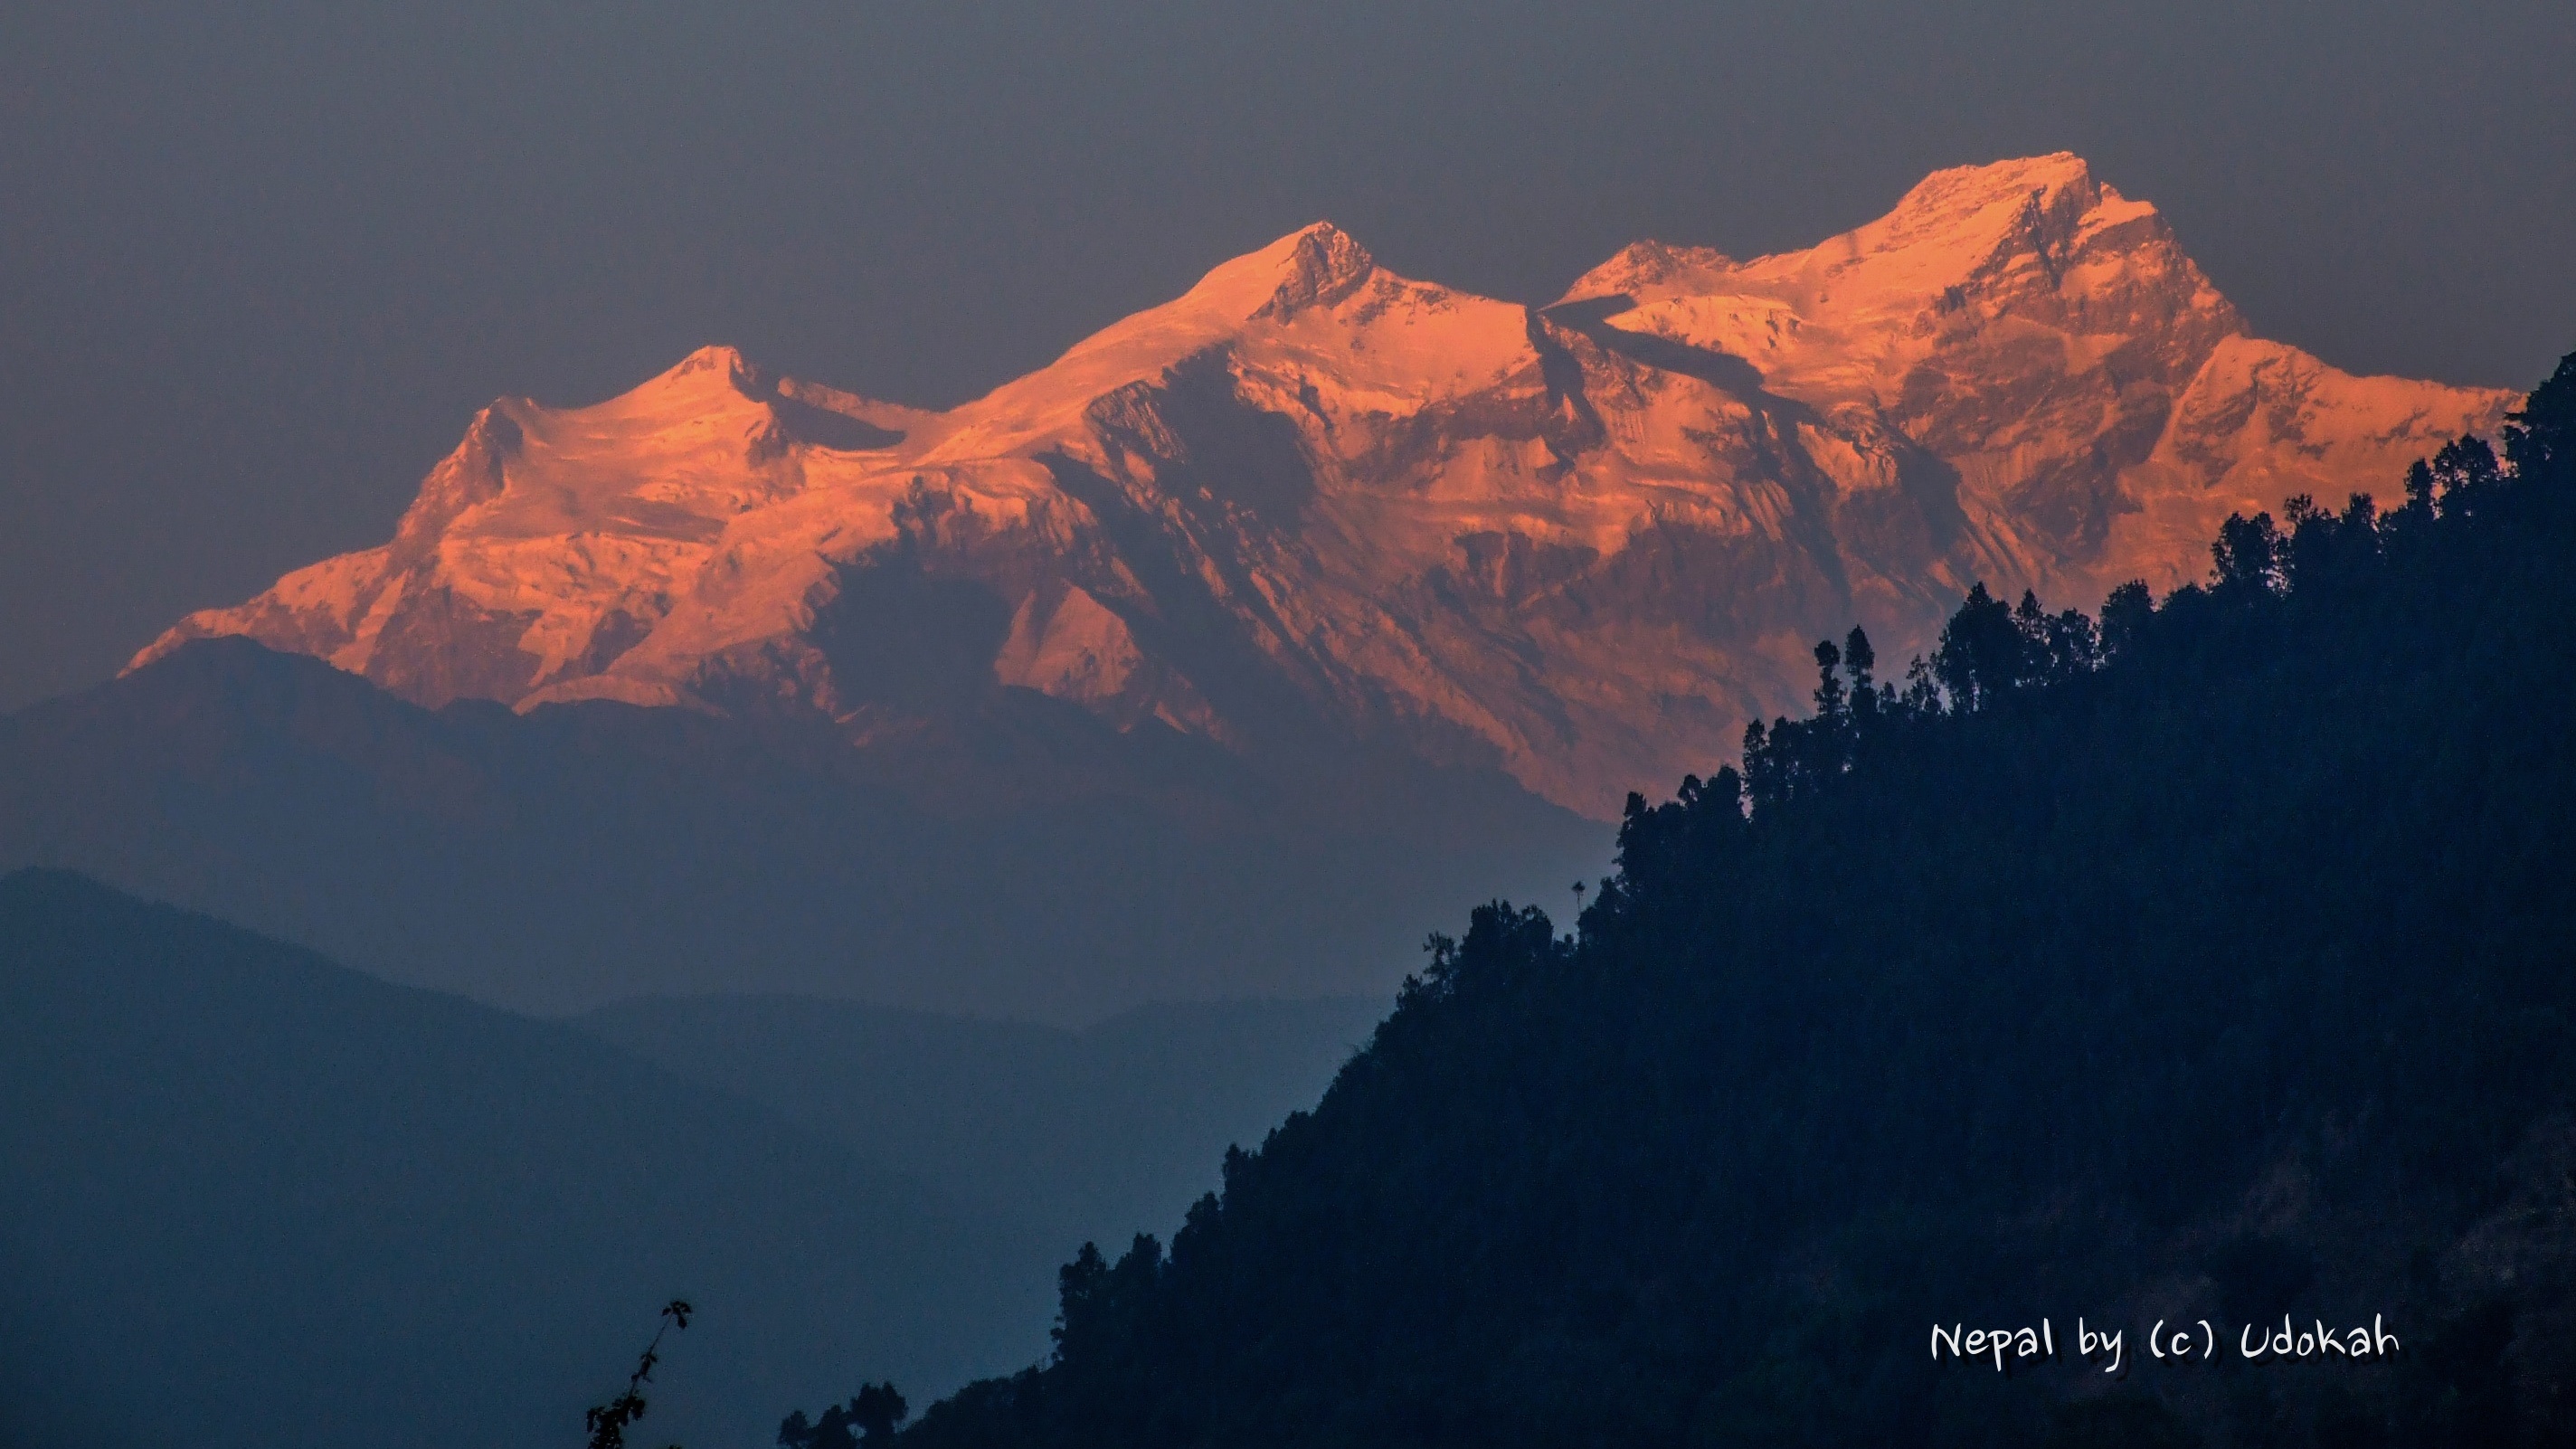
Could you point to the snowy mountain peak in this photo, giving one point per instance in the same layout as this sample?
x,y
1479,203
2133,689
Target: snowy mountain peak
x,y
1582,545
1322,266
703,378
1648,267
723,361
1314,265
1969,223
1957,233
2040,182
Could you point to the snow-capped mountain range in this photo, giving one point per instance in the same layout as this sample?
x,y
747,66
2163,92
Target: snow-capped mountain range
x,y
1581,542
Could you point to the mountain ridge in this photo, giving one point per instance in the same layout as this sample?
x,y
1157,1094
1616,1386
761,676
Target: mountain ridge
x,y
1311,499
1022,857
261,1198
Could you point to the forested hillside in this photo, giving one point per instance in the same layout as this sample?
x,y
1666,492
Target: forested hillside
x,y
2208,960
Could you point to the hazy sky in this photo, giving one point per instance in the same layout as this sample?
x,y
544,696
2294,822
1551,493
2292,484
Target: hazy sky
x,y
259,263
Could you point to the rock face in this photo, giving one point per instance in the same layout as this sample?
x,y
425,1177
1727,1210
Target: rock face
x,y
1312,500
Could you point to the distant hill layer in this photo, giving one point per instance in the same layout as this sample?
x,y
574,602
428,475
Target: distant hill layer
x,y
1094,1134
254,1199
1028,861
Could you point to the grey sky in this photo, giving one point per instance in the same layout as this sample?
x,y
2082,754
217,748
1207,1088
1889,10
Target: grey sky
x,y
259,262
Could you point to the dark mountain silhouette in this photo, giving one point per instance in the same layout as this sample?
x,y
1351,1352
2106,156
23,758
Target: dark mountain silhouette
x,y
2208,960
1023,858
254,1199
1081,1133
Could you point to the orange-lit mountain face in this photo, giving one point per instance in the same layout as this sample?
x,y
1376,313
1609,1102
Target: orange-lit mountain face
x,y
1582,542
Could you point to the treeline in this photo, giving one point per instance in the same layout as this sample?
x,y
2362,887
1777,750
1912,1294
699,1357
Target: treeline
x,y
2208,959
